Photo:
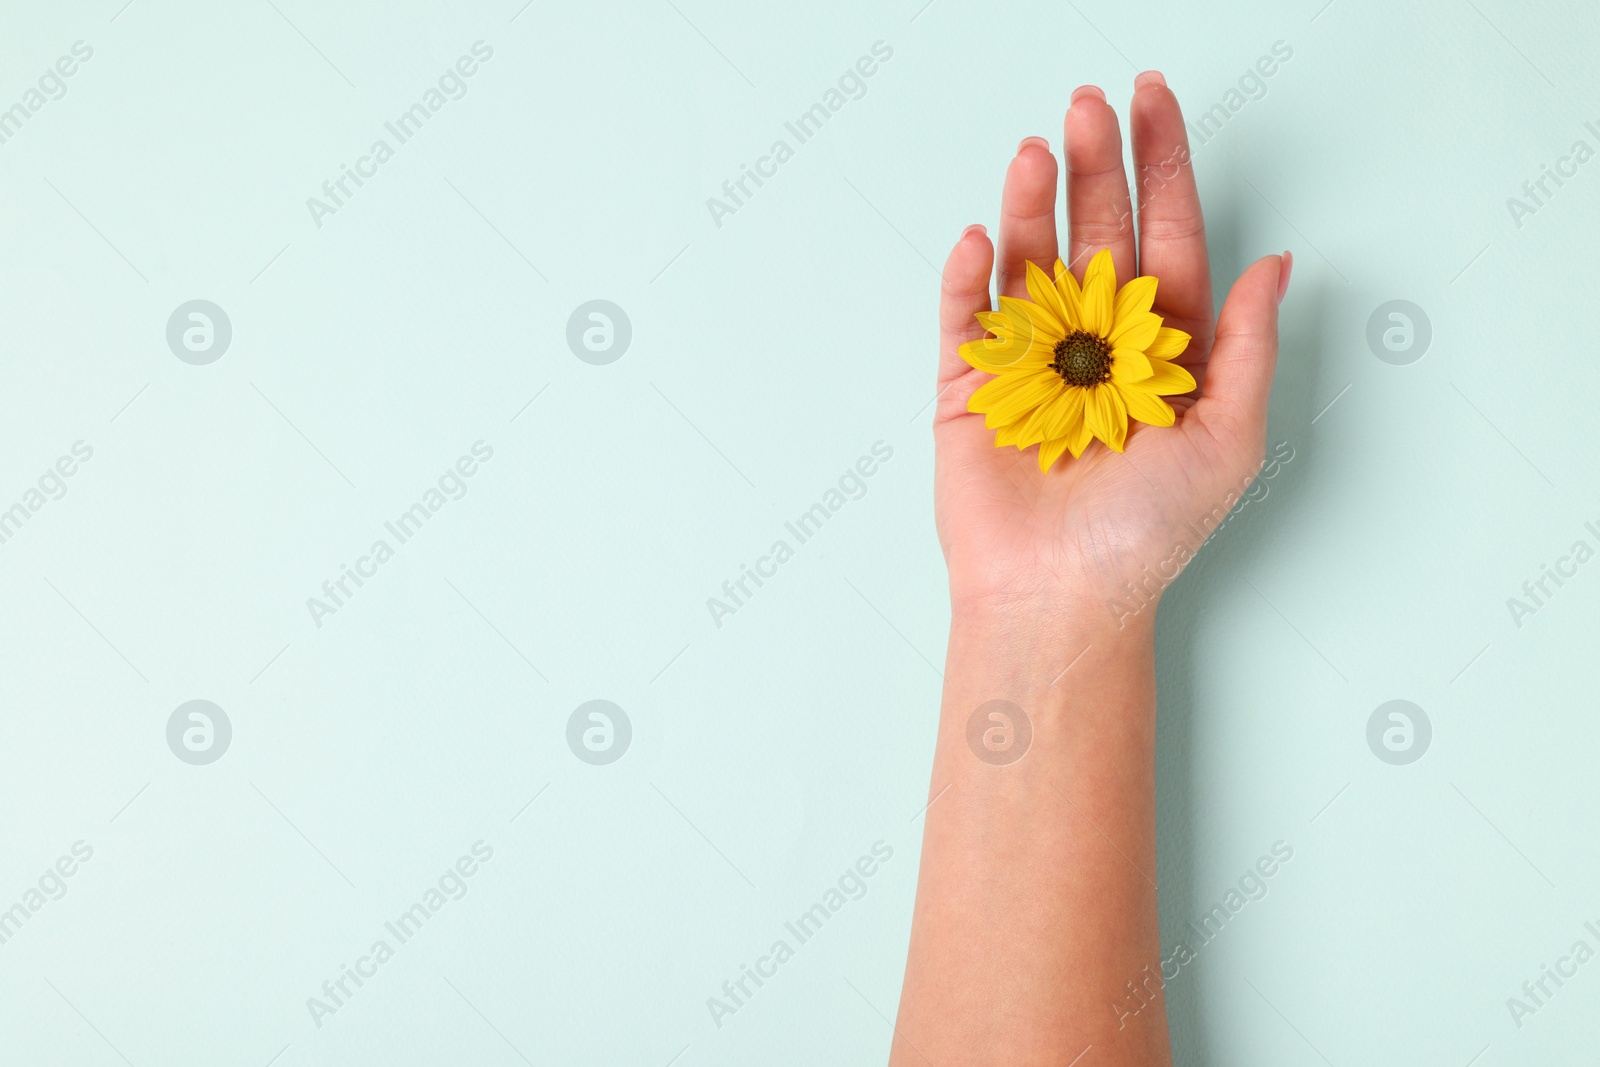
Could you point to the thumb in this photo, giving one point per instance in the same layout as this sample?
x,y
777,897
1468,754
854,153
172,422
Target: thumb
x,y
1239,372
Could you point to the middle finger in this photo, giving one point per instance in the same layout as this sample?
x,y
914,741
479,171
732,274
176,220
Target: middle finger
x,y
1099,211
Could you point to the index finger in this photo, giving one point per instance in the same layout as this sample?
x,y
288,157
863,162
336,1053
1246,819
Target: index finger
x,y
963,292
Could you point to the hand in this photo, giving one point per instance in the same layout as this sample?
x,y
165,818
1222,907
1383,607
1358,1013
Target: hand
x,y
1076,534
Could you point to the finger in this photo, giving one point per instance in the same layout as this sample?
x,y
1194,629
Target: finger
x,y
1027,215
1172,231
1239,375
1099,212
962,294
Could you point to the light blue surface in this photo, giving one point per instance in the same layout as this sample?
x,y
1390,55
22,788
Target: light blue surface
x,y
768,353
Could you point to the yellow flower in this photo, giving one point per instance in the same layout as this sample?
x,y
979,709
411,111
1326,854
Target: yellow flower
x,y
1075,364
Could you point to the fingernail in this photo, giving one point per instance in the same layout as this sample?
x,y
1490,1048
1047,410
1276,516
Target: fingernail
x,y
977,227
1088,90
1150,77
1283,274
1039,142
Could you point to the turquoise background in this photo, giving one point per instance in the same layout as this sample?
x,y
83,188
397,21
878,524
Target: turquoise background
x,y
768,353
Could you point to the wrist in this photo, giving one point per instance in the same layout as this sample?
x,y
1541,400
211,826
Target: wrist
x,y
1081,611
1044,653
1075,587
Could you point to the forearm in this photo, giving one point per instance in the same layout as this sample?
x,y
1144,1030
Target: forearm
x,y
1036,903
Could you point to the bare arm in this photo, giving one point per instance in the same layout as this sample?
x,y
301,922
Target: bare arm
x,y
1036,901
1036,905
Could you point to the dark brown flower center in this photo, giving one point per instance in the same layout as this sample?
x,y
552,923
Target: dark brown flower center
x,y
1082,359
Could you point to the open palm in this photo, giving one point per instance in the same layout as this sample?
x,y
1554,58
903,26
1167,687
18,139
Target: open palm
x,y
1090,524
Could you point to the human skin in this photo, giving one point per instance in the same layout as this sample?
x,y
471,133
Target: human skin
x,y
1036,902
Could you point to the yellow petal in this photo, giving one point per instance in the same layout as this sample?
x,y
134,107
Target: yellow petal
x,y
1034,428
1093,413
1000,355
1135,298
1011,396
1107,415
1099,286
1049,452
1047,296
1066,413
1033,321
1101,266
1129,365
1135,331
1166,379
1071,295
1049,420
1147,407
994,321
1081,435
1169,344
1119,417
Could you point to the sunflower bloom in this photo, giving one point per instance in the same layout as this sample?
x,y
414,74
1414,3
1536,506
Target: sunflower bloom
x,y
1073,364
